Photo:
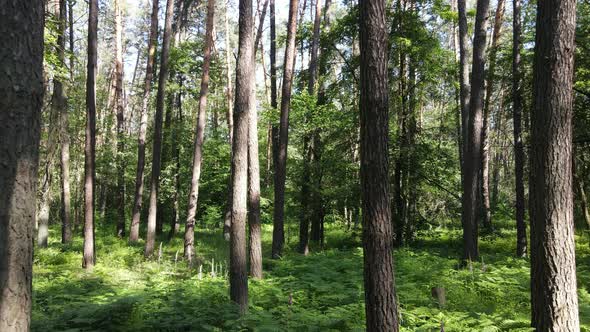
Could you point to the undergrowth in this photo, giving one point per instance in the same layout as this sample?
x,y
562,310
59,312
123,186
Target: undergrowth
x,y
320,292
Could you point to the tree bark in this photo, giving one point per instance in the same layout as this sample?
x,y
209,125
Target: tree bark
x,y
521,238
464,86
157,149
554,299
380,297
89,257
230,122
278,235
485,159
189,231
21,34
138,197
238,275
60,102
254,166
472,155
120,106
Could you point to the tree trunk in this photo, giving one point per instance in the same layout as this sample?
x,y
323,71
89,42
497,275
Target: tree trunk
x,y
230,123
278,235
120,106
90,145
238,275
472,156
380,297
138,197
21,34
254,167
60,102
485,159
157,149
464,87
554,299
274,130
71,28
521,238
189,231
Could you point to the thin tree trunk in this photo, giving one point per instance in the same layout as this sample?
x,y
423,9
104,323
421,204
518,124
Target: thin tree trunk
x,y
230,122
189,232
120,106
278,236
254,167
521,238
157,149
138,197
464,87
71,35
21,37
90,145
472,165
485,159
380,295
238,275
554,299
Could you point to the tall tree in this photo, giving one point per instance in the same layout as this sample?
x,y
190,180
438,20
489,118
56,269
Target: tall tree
x,y
380,297
157,149
60,102
521,238
189,231
278,234
21,34
230,119
485,159
238,275
464,87
90,144
147,86
120,107
554,299
472,156
254,166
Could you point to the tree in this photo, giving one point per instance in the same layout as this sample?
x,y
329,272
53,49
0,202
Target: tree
x,y
254,166
554,299
485,159
230,122
472,156
157,149
464,87
90,143
189,231
238,275
278,234
138,197
120,107
521,238
21,34
60,102
380,298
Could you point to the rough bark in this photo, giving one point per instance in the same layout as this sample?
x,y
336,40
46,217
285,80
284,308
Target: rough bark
x,y
89,256
554,299
138,197
189,231
380,297
464,87
521,238
472,161
120,106
278,235
21,34
238,275
157,147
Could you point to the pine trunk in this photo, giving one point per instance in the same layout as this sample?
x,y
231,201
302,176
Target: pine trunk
x,y
120,106
554,299
157,149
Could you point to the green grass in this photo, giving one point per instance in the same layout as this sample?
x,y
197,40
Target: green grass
x,y
127,293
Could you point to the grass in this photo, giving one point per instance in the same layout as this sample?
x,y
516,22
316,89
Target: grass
x,y
321,292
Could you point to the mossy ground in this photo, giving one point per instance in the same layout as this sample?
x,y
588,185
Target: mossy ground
x,y
125,292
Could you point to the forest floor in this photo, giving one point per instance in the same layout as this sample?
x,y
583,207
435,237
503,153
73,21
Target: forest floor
x,y
320,292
